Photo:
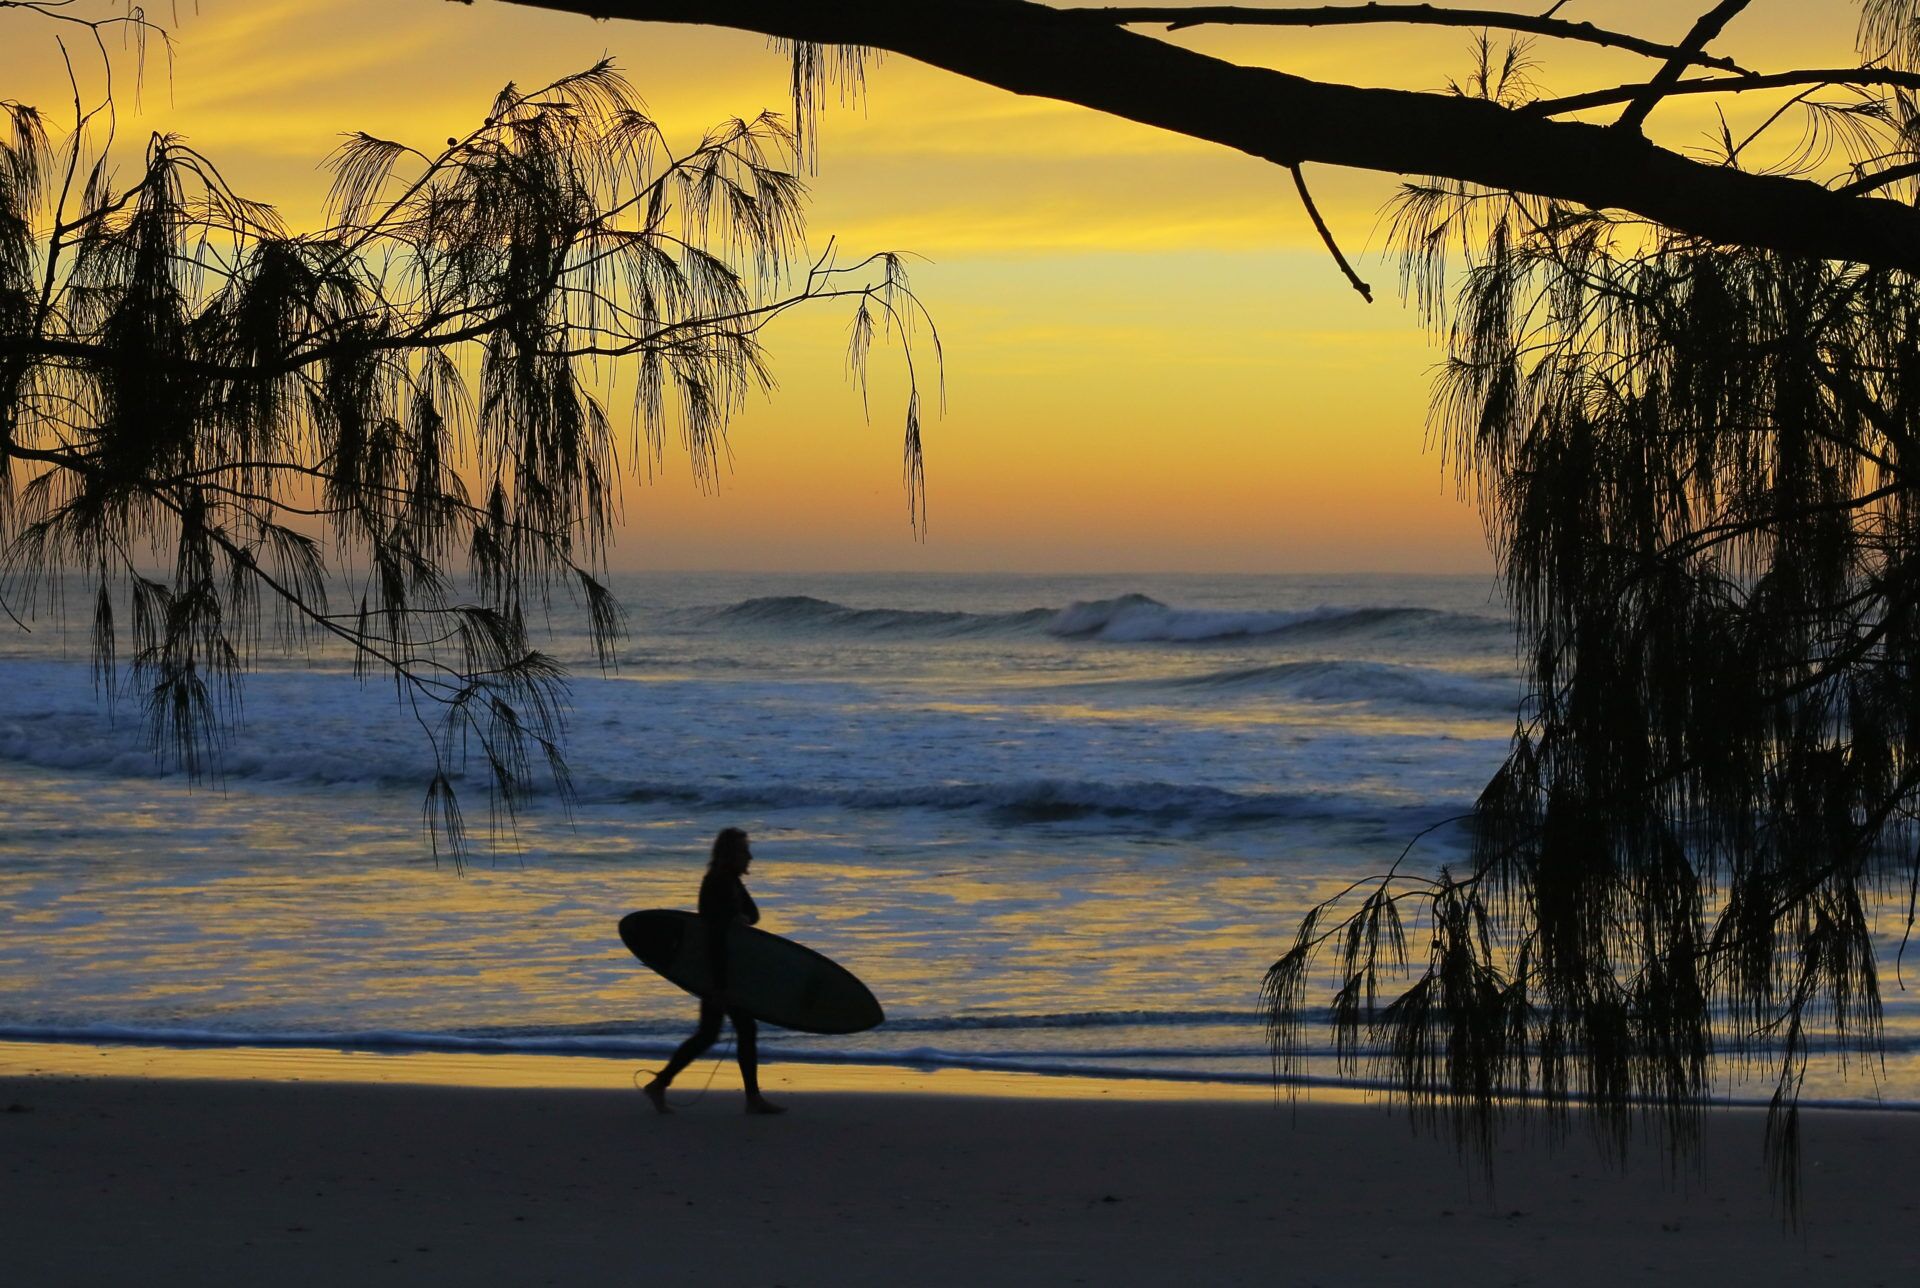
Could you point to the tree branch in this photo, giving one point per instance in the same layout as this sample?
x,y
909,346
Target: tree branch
x,y
1880,179
1710,25
1858,76
1412,15
1032,49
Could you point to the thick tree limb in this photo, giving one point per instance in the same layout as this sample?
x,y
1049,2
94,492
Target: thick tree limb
x,y
1412,15
1032,49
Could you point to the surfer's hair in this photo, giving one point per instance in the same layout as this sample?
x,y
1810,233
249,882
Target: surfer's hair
x,y
729,845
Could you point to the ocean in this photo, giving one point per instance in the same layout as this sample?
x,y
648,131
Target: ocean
x,y
1057,823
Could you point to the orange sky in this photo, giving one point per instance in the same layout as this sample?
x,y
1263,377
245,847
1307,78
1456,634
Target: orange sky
x,y
1151,363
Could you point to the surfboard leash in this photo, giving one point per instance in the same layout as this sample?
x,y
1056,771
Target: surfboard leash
x,y
699,1095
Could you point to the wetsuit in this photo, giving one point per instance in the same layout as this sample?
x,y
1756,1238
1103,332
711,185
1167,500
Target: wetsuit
x,y
723,901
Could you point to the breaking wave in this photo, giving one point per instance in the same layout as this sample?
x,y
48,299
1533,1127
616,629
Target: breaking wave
x,y
1123,619
804,611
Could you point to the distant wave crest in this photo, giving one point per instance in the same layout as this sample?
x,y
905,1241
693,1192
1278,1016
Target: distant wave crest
x,y
1123,619
821,614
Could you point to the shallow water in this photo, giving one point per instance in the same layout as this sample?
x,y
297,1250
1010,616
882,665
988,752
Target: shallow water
x,y
1056,823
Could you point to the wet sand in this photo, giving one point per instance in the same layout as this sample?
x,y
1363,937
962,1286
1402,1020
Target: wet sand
x,y
323,1168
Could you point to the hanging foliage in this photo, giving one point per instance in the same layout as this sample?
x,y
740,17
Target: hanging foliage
x,y
402,433
1700,469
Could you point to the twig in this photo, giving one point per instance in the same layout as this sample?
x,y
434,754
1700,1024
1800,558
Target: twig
x,y
1855,76
1326,235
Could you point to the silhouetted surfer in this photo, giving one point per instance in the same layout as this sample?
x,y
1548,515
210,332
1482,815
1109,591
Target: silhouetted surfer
x,y
723,901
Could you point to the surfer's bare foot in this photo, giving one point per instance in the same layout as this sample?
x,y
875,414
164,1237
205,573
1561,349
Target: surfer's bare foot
x,y
761,1105
658,1095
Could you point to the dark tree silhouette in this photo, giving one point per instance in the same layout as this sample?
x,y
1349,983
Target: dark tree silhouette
x,y
217,424
1685,392
1091,58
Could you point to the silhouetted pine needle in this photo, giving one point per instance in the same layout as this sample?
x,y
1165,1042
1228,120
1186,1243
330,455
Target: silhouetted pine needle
x,y
815,67
1890,30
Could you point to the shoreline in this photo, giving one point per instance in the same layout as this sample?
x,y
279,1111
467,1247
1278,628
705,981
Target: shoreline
x,y
400,1062
183,1167
506,1070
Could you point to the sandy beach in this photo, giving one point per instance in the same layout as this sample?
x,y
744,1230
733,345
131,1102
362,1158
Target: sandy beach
x,y
287,1169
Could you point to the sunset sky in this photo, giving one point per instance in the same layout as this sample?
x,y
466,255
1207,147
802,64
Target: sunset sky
x,y
1152,364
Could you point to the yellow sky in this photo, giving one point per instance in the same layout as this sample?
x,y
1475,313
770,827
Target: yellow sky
x,y
1151,363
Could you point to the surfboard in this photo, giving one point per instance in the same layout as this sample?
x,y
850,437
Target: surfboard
x,y
770,978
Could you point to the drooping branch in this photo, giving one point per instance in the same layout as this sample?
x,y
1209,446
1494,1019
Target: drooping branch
x,y
1033,49
1326,236
1697,466
415,392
